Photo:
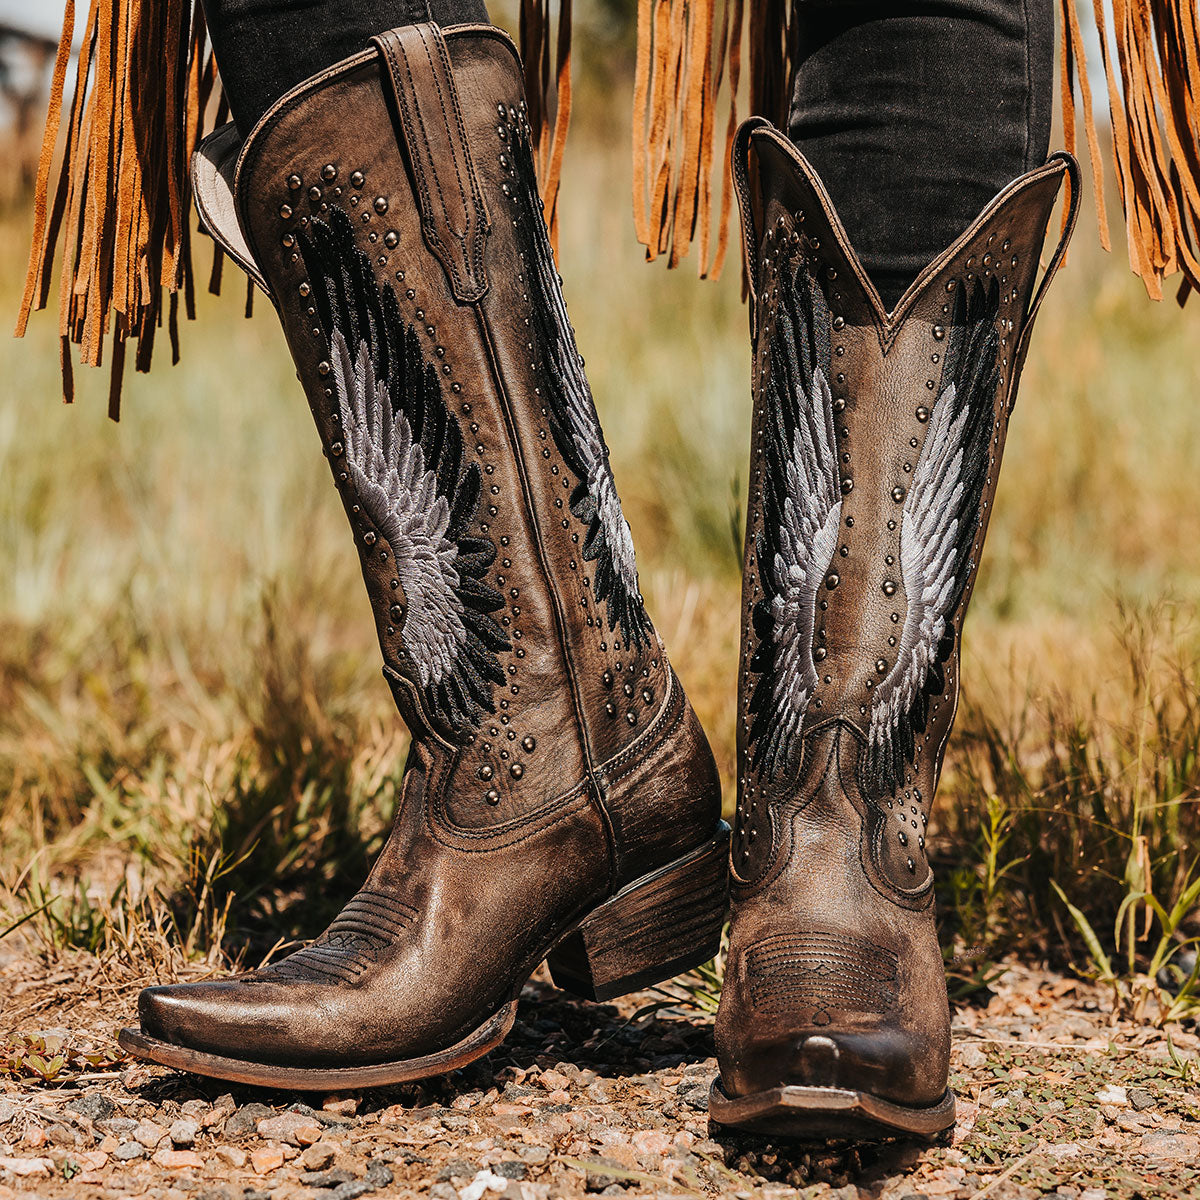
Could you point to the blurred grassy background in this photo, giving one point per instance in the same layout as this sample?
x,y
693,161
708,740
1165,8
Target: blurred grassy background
x,y
190,700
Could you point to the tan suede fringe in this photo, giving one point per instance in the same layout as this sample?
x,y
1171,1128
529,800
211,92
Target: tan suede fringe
x,y
1151,61
548,96
112,201
682,54
1150,50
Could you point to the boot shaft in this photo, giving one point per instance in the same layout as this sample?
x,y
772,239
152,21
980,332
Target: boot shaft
x,y
876,447
390,208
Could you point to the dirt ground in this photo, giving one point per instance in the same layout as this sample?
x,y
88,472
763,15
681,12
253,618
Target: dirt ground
x,y
1054,1100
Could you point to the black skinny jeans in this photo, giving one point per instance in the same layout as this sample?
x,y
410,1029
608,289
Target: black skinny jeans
x,y
913,113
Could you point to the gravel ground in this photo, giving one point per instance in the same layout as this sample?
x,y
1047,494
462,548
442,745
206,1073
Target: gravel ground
x,y
1054,1099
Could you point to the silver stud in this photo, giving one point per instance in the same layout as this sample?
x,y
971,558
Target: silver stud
x,y
357,179
329,172
381,205
897,494
889,587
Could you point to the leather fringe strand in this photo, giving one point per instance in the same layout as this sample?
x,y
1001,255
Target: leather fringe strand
x,y
114,200
548,96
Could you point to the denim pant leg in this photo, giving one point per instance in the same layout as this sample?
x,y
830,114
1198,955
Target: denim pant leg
x,y
915,113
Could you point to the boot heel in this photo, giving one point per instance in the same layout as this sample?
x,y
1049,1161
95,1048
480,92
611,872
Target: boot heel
x,y
660,925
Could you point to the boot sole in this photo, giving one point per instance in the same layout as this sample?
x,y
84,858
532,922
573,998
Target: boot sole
x,y
662,924
825,1113
199,1062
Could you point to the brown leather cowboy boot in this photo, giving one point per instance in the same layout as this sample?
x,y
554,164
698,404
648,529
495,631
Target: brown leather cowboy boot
x,y
876,445
561,799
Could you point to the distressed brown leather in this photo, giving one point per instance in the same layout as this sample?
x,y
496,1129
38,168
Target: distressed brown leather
x,y
558,760
835,977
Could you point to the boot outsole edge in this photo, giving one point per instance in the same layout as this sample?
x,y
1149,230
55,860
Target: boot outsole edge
x,y
824,1113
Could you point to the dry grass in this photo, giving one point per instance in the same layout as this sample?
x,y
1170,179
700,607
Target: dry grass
x,y
190,703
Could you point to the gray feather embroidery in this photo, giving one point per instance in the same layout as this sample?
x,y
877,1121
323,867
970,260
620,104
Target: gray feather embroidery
x,y
938,526
403,454
801,514
571,411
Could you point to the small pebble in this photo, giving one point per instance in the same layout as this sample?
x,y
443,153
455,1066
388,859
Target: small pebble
x,y
266,1159
233,1156
317,1156
244,1121
95,1106
183,1134
972,1057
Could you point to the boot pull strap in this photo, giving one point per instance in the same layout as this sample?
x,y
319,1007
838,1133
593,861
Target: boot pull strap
x,y
454,220
1056,259
738,158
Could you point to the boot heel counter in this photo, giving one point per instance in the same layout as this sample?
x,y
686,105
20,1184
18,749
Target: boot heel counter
x,y
663,793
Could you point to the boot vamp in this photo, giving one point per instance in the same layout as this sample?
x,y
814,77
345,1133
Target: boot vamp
x,y
441,936
834,977
291,1015
815,1004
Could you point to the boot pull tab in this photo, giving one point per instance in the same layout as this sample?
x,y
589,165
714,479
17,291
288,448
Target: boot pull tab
x,y
1071,170
454,220
739,156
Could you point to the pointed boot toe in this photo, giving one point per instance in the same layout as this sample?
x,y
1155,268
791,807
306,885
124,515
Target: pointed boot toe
x,y
172,1012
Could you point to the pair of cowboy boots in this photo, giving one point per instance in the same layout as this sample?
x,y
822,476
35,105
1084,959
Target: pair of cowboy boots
x,y
561,801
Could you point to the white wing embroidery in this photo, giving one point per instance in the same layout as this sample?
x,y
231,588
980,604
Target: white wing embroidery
x,y
402,451
801,513
937,532
400,495
573,421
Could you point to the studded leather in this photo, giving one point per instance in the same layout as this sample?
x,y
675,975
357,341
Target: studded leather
x,y
390,206
876,445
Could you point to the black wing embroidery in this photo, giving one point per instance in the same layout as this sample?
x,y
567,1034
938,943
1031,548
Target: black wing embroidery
x,y
802,508
573,421
404,454
937,532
